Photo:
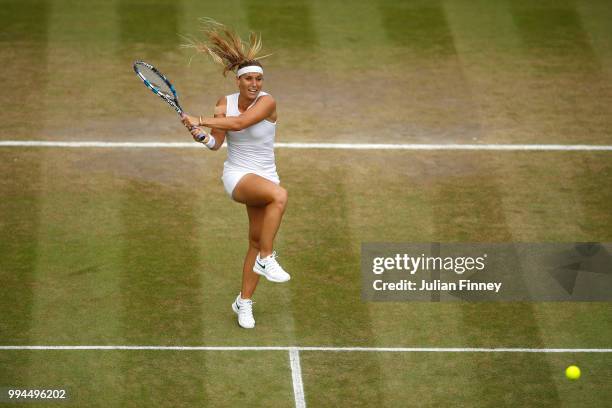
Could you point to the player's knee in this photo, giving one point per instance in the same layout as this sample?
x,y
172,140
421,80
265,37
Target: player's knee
x,y
280,198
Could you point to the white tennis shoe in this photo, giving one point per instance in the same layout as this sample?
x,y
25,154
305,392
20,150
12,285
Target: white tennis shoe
x,y
270,268
244,309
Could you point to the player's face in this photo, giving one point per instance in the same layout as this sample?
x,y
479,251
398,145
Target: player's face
x,y
250,84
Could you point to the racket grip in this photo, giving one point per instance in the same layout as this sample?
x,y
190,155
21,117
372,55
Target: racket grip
x,y
206,139
201,136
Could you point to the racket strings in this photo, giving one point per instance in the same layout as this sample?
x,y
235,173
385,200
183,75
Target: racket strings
x,y
156,81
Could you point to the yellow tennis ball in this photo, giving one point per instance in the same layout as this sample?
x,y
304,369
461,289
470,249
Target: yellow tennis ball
x,y
572,372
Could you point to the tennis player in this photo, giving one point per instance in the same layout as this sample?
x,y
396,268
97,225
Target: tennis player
x,y
247,119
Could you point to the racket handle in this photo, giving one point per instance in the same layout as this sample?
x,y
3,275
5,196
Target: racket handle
x,y
201,136
206,139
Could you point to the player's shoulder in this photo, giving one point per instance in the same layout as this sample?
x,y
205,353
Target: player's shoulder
x,y
267,97
221,107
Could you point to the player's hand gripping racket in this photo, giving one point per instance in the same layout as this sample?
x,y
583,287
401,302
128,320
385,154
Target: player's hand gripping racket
x,y
161,86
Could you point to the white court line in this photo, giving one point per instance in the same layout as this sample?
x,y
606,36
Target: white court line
x,y
296,376
342,146
308,348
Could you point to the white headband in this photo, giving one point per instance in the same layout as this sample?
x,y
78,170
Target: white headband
x,y
250,68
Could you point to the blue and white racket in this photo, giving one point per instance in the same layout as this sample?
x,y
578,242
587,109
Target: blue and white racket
x,y
162,87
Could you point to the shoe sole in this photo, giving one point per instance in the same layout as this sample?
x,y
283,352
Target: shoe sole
x,y
235,309
270,279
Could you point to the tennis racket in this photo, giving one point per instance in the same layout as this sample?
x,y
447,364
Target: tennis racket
x,y
161,86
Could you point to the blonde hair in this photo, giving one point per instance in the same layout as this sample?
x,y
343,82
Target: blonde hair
x,y
225,47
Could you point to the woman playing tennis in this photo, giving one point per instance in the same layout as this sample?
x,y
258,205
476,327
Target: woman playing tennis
x,y
247,119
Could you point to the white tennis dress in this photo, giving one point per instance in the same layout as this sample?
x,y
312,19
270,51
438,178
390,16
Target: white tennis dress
x,y
250,150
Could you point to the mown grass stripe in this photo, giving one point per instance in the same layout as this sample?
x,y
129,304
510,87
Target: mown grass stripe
x,y
322,348
289,26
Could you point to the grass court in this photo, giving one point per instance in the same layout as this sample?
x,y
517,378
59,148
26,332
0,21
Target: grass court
x,y
142,247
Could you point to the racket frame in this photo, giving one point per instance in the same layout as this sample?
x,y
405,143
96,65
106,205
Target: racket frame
x,y
171,100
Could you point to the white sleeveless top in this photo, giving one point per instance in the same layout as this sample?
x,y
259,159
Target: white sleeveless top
x,y
251,149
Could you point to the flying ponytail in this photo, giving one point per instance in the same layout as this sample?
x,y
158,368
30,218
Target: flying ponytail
x,y
225,47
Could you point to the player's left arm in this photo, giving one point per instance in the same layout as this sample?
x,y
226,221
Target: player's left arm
x,y
263,109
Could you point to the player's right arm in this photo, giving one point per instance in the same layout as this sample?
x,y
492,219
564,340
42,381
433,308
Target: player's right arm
x,y
220,111
218,134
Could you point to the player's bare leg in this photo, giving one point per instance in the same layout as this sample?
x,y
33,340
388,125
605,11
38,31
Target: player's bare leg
x,y
250,278
256,191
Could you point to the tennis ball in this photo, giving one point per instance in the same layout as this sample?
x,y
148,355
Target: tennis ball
x,y
572,372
